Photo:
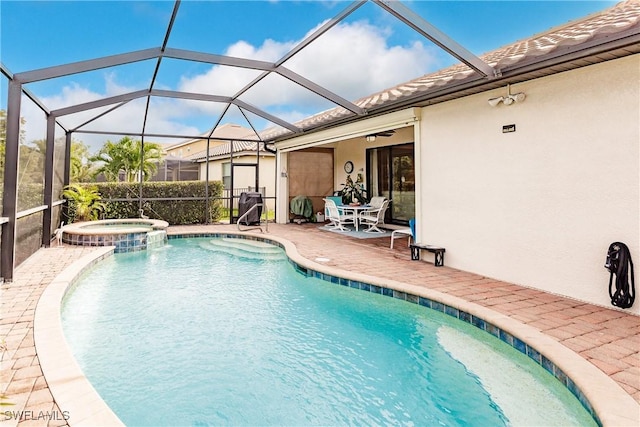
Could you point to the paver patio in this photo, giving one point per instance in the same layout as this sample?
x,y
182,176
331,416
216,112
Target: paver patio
x,y
606,337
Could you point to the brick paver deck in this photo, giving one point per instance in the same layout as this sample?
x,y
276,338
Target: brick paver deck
x,y
21,379
606,337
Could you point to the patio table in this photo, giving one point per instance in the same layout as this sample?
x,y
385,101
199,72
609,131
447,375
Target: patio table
x,y
357,210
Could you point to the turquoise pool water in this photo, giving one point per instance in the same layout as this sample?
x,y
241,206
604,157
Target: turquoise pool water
x,y
202,333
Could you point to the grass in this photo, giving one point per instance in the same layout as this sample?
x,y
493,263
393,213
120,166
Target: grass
x,y
271,214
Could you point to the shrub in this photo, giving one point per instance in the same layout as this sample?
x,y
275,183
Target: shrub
x,y
85,201
175,212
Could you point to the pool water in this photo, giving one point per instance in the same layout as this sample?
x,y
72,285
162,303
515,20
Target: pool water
x,y
202,332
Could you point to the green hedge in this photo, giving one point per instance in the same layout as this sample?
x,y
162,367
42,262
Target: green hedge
x,y
175,212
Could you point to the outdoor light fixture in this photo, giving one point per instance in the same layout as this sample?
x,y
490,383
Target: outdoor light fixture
x,y
509,99
495,101
371,138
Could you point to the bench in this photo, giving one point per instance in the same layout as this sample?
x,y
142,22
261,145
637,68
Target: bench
x,y
438,251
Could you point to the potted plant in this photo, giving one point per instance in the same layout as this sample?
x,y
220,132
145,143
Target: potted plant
x,y
353,191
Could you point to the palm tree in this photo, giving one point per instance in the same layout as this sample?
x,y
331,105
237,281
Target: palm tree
x,y
82,169
151,157
85,201
128,156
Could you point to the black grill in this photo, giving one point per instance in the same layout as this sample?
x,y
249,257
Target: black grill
x,y
246,202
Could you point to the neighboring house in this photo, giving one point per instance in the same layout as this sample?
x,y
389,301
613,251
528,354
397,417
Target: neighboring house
x,y
178,157
530,191
234,159
240,166
174,168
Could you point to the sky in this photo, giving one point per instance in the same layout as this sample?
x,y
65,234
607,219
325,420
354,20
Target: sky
x,y
367,52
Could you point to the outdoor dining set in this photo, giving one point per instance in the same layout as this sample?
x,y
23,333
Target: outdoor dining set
x,y
371,215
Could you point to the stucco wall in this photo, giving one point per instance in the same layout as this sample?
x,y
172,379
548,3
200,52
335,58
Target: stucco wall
x,y
189,149
215,171
354,150
351,150
245,176
540,206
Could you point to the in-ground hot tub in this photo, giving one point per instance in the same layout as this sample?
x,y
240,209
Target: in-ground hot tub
x,y
127,235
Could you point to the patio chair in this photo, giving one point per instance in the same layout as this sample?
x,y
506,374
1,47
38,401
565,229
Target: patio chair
x,y
337,200
407,231
375,217
336,219
376,202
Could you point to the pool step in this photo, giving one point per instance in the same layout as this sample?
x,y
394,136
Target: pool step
x,y
249,245
245,248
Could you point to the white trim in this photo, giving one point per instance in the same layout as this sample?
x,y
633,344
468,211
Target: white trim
x,y
417,170
364,127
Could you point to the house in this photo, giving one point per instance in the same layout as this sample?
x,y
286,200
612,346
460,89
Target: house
x,y
177,156
524,176
235,158
241,166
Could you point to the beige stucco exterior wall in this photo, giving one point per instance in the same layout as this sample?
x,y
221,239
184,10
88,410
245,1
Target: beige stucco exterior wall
x,y
355,149
193,147
538,207
244,176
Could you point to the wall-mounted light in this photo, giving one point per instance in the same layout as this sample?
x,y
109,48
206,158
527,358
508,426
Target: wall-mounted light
x,y
495,101
371,138
509,99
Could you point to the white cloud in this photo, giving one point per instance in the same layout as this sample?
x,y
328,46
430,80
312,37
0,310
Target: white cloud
x,y
352,60
163,118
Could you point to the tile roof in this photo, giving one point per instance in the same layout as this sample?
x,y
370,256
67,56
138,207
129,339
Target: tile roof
x,y
561,41
224,131
224,150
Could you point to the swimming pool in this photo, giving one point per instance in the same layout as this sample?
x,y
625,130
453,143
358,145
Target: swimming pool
x,y
282,348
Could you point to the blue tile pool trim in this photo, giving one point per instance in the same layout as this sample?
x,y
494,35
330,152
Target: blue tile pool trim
x,y
124,242
504,336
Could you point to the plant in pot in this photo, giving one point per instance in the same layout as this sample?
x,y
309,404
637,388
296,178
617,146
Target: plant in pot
x,y
85,202
353,192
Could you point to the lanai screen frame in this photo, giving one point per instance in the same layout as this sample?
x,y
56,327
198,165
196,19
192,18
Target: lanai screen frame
x,y
484,72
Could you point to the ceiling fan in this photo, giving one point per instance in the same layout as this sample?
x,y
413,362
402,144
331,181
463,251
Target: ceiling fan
x,y
385,133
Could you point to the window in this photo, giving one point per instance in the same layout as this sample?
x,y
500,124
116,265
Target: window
x,y
226,175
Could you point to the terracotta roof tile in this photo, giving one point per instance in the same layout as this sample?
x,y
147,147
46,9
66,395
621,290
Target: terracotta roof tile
x,y
225,150
619,18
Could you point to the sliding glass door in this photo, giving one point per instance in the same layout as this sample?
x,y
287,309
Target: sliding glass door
x,y
391,173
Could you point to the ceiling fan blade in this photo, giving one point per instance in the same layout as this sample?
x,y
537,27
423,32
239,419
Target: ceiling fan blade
x,y
386,133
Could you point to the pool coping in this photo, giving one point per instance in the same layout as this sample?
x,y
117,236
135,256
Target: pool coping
x,y
80,227
73,392
70,388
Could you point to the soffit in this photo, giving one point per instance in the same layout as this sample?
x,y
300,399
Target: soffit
x,y
360,128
